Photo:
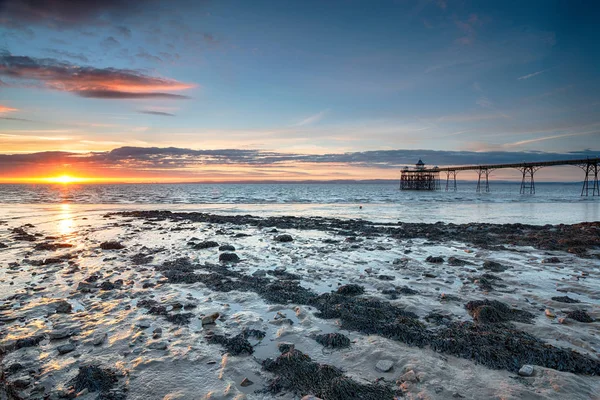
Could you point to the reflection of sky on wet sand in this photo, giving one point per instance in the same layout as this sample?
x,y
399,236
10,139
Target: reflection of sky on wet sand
x,y
66,222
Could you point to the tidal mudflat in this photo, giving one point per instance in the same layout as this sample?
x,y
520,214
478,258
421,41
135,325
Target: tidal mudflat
x,y
182,305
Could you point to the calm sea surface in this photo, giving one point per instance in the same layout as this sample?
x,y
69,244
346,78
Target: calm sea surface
x,y
553,203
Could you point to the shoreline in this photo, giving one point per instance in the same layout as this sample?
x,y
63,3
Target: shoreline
x,y
371,292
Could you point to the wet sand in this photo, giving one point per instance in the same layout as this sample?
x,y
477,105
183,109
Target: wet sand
x,y
144,305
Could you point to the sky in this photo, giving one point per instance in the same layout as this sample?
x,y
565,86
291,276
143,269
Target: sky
x,y
186,90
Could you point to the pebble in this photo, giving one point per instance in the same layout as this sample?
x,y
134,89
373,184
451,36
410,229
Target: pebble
x,y
59,334
145,324
158,345
284,238
526,370
65,348
384,365
63,307
210,319
410,376
99,339
246,382
549,313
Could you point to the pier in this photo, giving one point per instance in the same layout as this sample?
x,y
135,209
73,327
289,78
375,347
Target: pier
x,y
422,178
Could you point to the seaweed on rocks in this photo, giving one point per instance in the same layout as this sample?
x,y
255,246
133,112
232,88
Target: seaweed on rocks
x,y
581,316
205,245
477,341
493,311
565,299
350,289
296,372
46,246
333,340
371,316
180,319
238,344
111,245
94,379
578,238
141,259
494,266
500,346
229,257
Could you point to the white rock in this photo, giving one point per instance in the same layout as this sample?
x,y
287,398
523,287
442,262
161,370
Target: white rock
x,y
384,365
526,370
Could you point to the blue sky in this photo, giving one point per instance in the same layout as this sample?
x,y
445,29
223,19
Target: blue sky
x,y
307,77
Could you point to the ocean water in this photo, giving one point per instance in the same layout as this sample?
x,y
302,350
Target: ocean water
x,y
553,203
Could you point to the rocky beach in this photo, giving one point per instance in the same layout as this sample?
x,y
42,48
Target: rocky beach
x,y
188,305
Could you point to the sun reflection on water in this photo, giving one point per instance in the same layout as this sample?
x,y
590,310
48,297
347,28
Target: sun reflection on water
x,y
66,222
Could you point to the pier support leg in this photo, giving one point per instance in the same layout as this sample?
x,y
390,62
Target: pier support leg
x,y
591,171
448,175
483,172
527,183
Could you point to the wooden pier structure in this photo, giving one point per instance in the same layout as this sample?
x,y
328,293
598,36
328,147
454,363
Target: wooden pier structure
x,y
421,178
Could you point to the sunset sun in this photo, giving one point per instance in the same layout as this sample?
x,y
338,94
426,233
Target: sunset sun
x,y
65,179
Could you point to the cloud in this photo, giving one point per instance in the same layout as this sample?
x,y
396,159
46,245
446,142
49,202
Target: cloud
x,y
313,118
160,113
65,13
5,109
484,102
103,83
531,75
542,139
68,54
110,43
123,31
163,160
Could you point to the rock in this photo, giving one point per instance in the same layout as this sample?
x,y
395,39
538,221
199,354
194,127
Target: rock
x,y
350,289
549,313
333,340
551,260
386,277
98,339
226,247
157,333
565,299
144,324
63,307
210,319
580,316
384,365
284,238
435,260
107,285
410,376
65,348
158,345
111,245
246,382
229,257
58,334
21,381
526,370
205,245
281,321
494,266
